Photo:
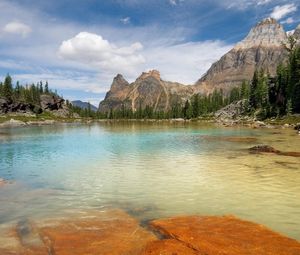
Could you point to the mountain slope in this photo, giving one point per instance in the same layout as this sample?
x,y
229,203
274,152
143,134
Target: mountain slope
x,y
262,48
147,90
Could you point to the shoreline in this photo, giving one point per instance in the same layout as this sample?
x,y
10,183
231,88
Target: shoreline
x,y
13,121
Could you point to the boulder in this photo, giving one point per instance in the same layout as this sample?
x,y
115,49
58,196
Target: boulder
x,y
263,148
4,105
225,235
51,102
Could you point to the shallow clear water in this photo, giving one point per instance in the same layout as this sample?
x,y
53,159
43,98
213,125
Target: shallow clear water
x,y
152,170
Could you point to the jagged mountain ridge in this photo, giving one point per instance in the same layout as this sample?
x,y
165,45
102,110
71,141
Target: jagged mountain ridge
x,y
148,89
262,48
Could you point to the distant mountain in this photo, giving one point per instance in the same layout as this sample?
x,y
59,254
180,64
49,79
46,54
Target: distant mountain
x,y
84,105
263,48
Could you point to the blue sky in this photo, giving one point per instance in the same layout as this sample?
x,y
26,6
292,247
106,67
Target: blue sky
x,y
80,45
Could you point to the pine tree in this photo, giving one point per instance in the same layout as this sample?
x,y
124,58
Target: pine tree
x,y
245,90
46,87
7,87
253,91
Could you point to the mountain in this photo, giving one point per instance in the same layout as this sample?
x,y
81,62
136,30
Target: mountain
x,y
84,105
263,48
147,90
297,33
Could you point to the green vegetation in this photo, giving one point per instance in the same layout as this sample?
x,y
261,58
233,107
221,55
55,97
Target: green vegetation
x,y
85,113
197,106
29,94
278,96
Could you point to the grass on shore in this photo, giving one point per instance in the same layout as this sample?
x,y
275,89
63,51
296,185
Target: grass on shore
x,y
39,117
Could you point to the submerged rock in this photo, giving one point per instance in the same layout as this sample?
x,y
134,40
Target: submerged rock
x,y
238,139
2,182
269,149
263,148
102,233
226,235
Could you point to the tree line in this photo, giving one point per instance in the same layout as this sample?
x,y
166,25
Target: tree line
x,y
29,94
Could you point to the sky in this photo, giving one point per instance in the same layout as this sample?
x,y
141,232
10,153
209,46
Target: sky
x,y
79,46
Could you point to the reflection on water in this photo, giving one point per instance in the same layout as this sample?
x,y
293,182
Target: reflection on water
x,y
152,170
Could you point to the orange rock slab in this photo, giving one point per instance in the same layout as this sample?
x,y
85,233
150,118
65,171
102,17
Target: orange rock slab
x,y
226,235
103,233
168,247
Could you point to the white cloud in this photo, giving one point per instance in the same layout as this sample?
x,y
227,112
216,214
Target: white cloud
x,y
263,2
175,2
18,28
64,80
187,62
289,20
125,21
92,49
280,12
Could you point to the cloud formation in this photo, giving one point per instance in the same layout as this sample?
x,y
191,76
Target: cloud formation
x,y
125,21
17,28
280,12
92,49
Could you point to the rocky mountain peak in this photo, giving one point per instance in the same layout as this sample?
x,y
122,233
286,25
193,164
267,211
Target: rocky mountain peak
x,y
119,83
152,73
266,33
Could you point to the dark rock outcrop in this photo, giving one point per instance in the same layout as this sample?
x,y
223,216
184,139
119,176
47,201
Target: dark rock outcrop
x,y
269,149
51,102
263,148
48,103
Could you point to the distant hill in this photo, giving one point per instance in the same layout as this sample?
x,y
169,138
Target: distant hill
x,y
83,105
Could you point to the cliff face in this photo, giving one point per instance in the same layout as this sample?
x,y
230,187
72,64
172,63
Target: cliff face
x,y
147,90
262,48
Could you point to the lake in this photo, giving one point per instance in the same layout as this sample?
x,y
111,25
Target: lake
x,y
151,170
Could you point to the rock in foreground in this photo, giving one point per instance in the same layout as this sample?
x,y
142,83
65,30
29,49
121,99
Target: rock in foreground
x,y
111,232
114,232
225,235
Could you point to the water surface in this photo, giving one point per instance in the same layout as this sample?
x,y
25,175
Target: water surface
x,y
152,170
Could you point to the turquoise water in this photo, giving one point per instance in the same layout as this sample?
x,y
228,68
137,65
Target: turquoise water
x,y
151,170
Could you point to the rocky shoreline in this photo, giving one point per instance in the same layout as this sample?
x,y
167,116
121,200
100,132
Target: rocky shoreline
x,y
114,232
